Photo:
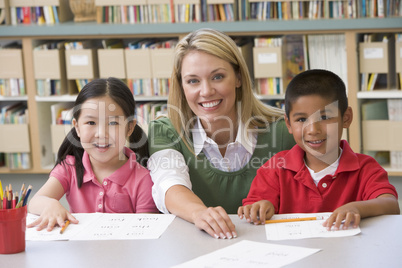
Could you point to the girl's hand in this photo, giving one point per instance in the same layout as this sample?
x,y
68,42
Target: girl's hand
x,y
258,212
54,213
216,222
347,214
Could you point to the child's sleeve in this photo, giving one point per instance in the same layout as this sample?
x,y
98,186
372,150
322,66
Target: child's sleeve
x,y
144,202
62,173
374,180
265,186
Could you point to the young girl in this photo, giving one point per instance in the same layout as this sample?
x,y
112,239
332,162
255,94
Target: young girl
x,y
94,168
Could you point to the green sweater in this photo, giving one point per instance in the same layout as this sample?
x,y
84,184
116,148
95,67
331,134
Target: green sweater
x,y
213,186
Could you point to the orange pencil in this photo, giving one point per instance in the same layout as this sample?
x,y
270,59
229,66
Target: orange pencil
x,y
65,227
293,220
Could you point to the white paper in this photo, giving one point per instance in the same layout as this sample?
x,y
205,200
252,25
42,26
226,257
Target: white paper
x,y
373,53
303,229
250,254
267,58
105,226
79,60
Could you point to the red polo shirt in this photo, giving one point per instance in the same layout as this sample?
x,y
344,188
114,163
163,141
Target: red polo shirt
x,y
285,181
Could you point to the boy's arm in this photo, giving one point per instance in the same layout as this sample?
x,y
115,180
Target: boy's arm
x,y
354,211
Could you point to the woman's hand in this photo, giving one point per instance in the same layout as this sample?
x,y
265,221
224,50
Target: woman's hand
x,y
54,213
258,212
215,221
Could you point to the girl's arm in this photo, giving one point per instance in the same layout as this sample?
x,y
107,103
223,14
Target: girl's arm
x,y
354,211
46,204
185,204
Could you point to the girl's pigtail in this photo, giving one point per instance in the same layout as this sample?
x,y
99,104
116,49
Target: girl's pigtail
x,y
71,146
139,144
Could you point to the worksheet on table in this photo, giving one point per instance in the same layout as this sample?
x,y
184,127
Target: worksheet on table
x,y
105,226
304,229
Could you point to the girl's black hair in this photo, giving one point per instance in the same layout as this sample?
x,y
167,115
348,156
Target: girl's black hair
x,y
121,94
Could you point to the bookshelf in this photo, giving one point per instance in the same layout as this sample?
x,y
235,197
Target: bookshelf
x,y
31,35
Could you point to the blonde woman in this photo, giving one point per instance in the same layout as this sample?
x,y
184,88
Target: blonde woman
x,y
205,154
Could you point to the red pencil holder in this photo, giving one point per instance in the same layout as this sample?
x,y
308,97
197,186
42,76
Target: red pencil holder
x,y
12,230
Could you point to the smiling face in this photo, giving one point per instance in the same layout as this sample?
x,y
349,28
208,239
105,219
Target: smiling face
x,y
103,130
317,125
209,84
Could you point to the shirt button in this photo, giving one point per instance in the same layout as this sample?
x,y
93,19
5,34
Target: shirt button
x,y
100,206
105,183
101,193
324,185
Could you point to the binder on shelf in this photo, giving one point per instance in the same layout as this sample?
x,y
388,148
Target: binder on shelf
x,y
269,67
112,63
377,63
139,71
40,11
11,72
81,63
50,69
14,135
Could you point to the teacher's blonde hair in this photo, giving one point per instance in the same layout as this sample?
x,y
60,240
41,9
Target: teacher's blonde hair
x,y
253,112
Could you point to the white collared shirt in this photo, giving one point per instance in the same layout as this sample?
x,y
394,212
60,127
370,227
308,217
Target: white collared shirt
x,y
330,170
168,167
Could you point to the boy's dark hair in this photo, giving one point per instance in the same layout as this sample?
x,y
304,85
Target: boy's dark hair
x,y
121,94
316,82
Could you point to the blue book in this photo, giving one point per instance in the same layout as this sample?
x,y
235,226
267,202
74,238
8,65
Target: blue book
x,y
55,14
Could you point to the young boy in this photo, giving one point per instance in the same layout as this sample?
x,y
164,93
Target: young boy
x,y
320,173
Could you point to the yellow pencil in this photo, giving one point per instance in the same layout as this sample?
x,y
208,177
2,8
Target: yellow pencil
x,y
293,220
65,227
1,191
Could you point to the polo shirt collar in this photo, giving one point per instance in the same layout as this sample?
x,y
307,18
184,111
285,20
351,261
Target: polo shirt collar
x,y
294,159
120,176
245,138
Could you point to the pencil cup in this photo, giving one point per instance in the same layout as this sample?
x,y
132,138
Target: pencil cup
x,y
12,230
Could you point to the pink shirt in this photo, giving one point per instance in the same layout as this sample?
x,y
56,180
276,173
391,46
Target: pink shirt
x,y
127,190
285,181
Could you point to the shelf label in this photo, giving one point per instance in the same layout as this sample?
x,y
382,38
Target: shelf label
x,y
267,58
374,53
79,60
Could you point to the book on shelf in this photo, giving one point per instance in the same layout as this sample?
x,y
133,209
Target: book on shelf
x,y
398,59
220,10
327,51
148,111
187,11
39,12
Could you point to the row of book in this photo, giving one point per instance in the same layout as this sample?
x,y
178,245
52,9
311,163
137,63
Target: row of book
x,y
204,10
12,87
148,111
34,15
15,113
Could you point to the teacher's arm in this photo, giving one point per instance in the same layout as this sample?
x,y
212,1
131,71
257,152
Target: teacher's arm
x,y
172,194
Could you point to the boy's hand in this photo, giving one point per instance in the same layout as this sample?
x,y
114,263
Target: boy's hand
x,y
257,212
53,214
347,214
